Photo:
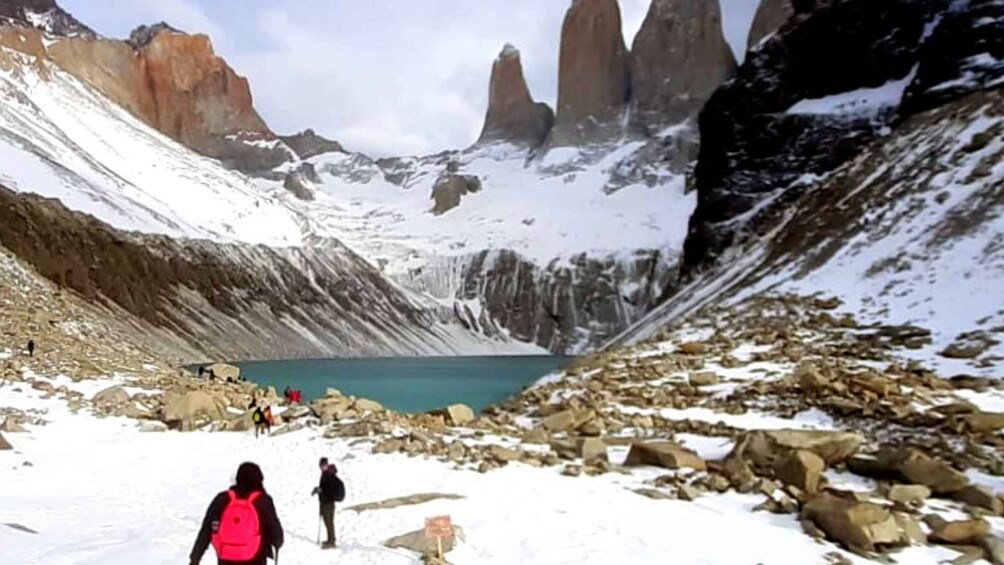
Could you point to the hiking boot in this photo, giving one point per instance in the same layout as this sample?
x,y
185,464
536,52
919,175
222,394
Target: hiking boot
x,y
328,545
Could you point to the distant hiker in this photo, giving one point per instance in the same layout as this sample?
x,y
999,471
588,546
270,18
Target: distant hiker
x,y
287,393
241,523
330,490
31,348
296,396
212,375
258,417
202,371
269,419
230,380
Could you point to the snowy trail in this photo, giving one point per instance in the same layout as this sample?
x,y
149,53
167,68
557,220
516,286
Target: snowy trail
x,y
101,492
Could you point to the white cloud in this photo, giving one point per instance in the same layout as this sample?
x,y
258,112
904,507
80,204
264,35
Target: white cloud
x,y
387,78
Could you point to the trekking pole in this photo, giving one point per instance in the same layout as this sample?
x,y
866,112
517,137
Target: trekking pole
x,y
318,529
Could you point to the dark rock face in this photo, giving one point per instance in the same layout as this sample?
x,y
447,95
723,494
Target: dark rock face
x,y
770,16
678,59
144,34
965,53
251,301
299,181
307,144
594,80
450,189
565,308
513,116
44,15
751,148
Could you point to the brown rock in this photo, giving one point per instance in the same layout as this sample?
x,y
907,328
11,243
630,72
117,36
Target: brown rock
x,y
566,420
994,547
456,414
912,532
513,116
770,16
678,58
980,497
983,422
188,410
908,494
450,189
703,378
505,454
962,532
802,469
762,448
592,450
919,468
535,436
663,454
572,470
417,542
856,525
593,76
693,348
367,405
689,493
110,397
4,444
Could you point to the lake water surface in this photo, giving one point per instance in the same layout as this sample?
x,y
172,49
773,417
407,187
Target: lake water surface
x,y
408,384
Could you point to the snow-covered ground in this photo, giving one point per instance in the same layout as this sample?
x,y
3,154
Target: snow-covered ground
x,y
101,492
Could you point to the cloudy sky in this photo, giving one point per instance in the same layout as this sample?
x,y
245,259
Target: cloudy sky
x,y
393,77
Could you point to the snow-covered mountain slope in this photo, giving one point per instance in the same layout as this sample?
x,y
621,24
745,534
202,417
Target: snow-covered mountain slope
x,y
564,250
215,286
60,138
909,233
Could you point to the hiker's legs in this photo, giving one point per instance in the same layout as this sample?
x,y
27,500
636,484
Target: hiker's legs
x,y
327,515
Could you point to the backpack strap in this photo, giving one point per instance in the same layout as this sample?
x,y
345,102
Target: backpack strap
x,y
254,496
232,495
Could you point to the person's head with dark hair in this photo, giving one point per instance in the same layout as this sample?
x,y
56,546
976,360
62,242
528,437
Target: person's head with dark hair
x,y
249,479
323,463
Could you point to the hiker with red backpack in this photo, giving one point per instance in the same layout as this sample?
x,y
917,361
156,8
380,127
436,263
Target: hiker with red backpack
x,y
241,523
330,490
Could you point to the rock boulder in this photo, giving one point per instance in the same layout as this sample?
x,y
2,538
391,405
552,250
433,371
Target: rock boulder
x,y
666,454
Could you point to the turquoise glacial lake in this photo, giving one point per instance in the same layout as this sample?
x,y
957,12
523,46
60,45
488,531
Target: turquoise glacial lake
x,y
408,384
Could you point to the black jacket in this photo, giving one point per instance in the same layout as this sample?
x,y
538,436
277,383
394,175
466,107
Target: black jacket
x,y
268,523
331,486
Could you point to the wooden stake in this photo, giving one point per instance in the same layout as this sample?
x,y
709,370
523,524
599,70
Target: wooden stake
x,y
439,545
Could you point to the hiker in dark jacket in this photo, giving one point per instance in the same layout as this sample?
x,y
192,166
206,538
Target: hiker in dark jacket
x,y
330,490
249,483
31,348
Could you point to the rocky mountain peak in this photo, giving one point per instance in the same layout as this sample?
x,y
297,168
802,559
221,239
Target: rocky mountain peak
x,y
143,35
594,79
513,116
678,59
44,15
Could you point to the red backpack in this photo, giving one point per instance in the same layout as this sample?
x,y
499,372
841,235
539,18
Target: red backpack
x,y
238,538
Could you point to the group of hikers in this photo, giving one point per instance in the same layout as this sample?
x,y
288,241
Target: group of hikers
x,y
262,418
243,526
211,375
